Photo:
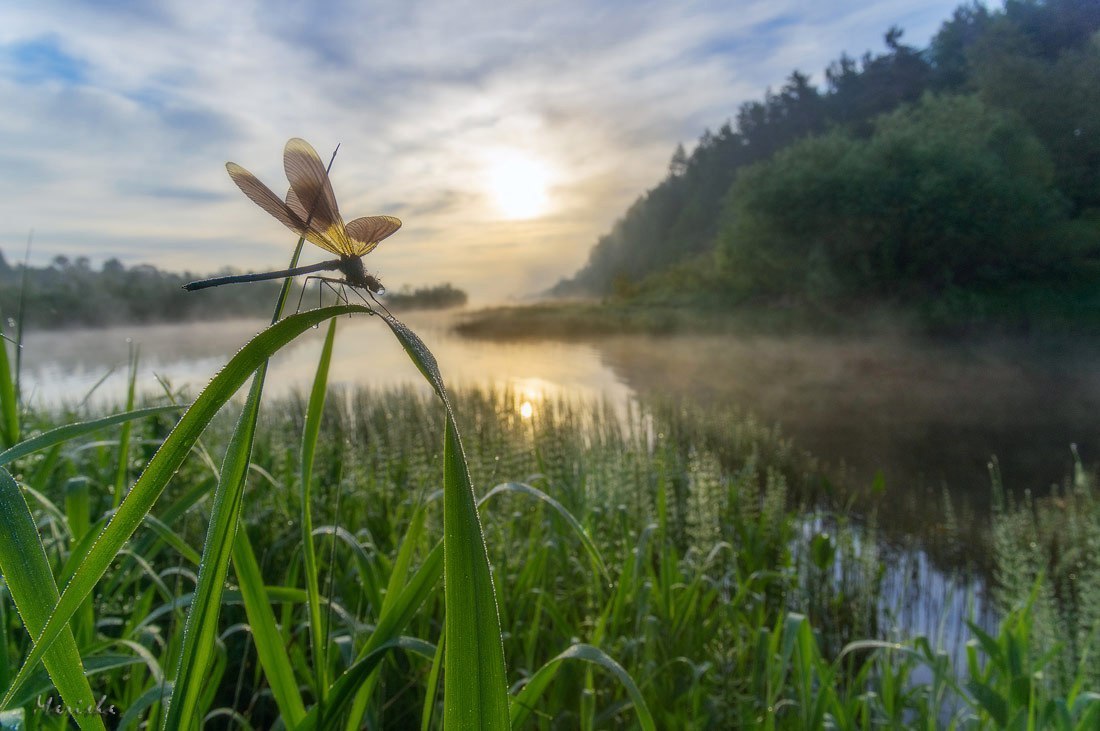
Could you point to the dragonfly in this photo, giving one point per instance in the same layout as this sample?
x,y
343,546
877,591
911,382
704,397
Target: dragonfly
x,y
310,211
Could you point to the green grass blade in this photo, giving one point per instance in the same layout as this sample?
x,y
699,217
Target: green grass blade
x,y
9,397
431,689
526,699
30,581
475,681
523,489
389,627
62,434
278,669
202,619
199,648
122,478
345,687
399,574
163,465
310,432
40,683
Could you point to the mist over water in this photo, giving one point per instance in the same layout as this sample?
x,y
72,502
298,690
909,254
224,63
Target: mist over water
x,y
927,416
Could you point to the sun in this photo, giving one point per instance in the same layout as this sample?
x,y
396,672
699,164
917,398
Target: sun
x,y
518,184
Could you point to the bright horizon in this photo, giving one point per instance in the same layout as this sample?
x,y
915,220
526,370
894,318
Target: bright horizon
x,y
507,138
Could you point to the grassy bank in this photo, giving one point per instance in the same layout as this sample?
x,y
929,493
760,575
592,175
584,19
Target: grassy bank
x,y
689,564
591,319
696,305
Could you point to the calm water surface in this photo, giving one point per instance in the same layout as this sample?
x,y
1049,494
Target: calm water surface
x,y
928,416
923,417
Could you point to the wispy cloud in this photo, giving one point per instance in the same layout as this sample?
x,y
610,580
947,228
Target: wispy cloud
x,y
119,118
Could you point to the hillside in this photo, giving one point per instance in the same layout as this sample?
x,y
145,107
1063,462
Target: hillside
x,y
946,176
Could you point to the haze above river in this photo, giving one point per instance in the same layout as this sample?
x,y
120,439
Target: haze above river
x,y
927,415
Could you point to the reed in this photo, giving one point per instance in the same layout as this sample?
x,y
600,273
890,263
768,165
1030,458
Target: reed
x,y
648,572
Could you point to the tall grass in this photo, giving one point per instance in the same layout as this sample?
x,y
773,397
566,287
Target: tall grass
x,y
1048,554
642,579
654,571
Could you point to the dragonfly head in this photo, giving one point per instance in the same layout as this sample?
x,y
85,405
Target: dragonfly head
x,y
356,275
374,285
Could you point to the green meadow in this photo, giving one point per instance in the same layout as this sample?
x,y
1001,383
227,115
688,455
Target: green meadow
x,y
325,562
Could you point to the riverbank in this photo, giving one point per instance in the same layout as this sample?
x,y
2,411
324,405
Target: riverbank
x,y
1070,310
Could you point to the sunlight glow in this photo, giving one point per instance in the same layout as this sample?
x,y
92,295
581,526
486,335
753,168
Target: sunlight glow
x,y
518,184
526,410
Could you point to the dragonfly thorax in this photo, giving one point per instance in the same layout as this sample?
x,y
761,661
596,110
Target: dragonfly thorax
x,y
356,275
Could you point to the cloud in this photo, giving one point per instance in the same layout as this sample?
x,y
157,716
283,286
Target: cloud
x,y
38,60
128,112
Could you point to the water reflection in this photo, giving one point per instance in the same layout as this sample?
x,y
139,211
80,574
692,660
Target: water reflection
x,y
61,368
927,416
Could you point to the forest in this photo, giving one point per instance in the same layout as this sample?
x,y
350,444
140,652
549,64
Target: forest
x,y
71,293
961,181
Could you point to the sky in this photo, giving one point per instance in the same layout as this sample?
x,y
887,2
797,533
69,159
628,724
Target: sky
x,y
507,136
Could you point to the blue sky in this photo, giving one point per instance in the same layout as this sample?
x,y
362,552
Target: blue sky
x,y
507,136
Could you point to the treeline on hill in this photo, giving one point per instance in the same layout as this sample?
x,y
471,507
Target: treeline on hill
x,y
70,293
960,179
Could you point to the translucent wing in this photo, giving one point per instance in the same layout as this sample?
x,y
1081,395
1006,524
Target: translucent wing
x,y
314,234
262,196
311,186
366,232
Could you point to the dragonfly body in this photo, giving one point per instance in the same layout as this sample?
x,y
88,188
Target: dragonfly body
x,y
310,211
355,275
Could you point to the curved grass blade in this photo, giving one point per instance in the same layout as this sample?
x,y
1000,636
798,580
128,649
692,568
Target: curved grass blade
x,y
63,434
345,687
525,700
524,489
122,478
309,447
201,627
199,648
162,466
199,640
399,574
30,581
270,648
9,396
40,683
475,681
387,630
432,688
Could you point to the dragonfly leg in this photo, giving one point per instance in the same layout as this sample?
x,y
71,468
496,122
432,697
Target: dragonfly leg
x,y
302,294
379,304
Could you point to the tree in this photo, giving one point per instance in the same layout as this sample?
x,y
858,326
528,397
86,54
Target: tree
x,y
678,165
1058,95
948,193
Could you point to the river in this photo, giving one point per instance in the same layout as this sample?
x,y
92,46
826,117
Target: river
x,y
920,418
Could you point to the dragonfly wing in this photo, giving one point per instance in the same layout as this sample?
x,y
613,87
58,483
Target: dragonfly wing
x,y
262,196
310,183
313,234
366,232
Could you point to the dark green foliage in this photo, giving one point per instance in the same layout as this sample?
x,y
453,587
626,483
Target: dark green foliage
x,y
70,293
1015,67
680,218
948,194
426,298
875,192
